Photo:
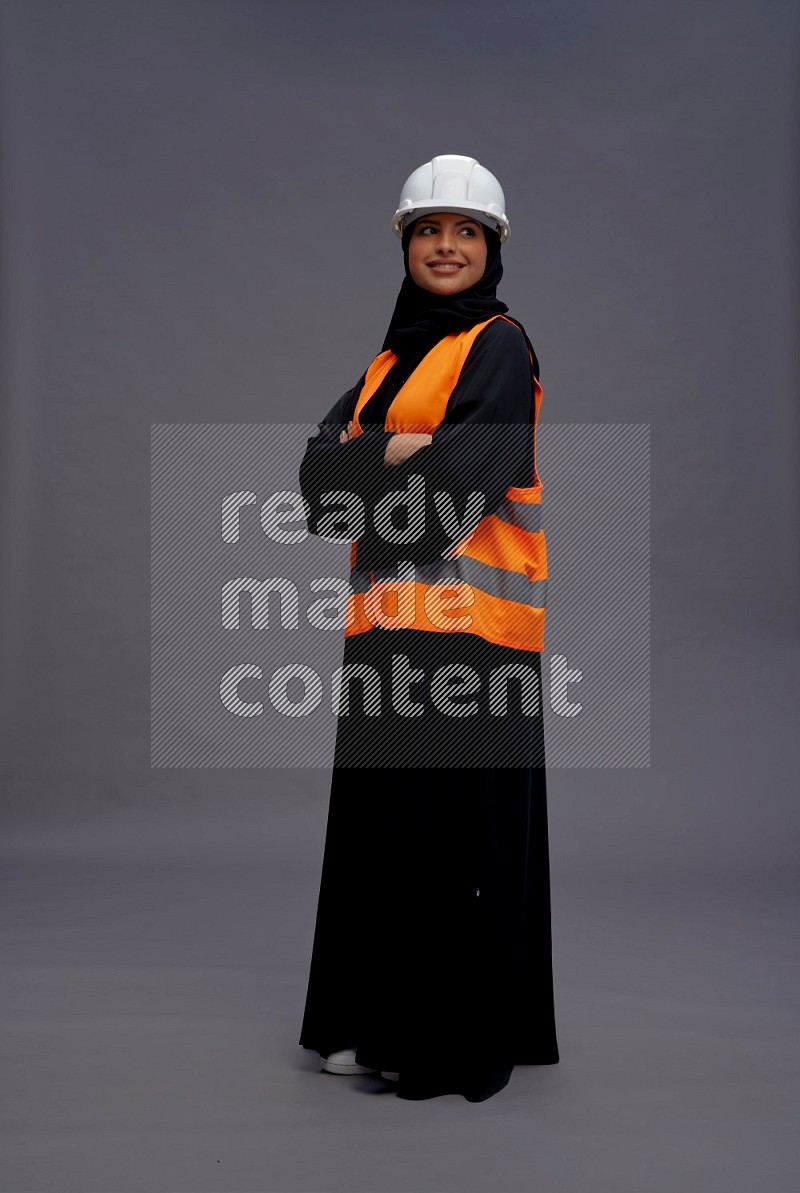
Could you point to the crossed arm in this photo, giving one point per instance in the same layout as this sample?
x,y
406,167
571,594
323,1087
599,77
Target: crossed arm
x,y
484,443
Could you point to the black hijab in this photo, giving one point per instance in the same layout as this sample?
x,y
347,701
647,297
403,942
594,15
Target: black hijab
x,y
421,318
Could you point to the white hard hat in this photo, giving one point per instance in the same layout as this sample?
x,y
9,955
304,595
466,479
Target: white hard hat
x,y
453,183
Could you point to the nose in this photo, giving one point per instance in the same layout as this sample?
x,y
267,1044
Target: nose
x,y
446,241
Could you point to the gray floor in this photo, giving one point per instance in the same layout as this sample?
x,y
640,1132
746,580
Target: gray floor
x,y
155,957
153,977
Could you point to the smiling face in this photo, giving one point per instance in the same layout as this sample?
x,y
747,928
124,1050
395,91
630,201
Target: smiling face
x,y
446,252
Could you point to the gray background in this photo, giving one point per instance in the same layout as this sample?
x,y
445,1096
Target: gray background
x,y
195,208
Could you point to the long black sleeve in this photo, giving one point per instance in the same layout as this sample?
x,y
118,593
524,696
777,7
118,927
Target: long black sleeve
x,y
329,466
484,444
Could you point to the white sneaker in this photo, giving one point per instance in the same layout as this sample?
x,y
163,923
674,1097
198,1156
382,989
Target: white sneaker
x,y
343,1062
390,1076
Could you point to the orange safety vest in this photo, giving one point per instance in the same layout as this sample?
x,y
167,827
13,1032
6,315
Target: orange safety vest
x,y
494,583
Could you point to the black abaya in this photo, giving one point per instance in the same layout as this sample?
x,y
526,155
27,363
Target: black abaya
x,y
432,947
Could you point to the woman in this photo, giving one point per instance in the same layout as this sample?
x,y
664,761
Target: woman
x,y
431,961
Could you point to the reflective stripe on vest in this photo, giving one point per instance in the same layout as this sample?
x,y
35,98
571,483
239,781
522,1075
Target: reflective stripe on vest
x,y
494,584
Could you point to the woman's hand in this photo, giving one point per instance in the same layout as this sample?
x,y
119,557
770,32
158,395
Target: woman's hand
x,y
399,447
403,445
